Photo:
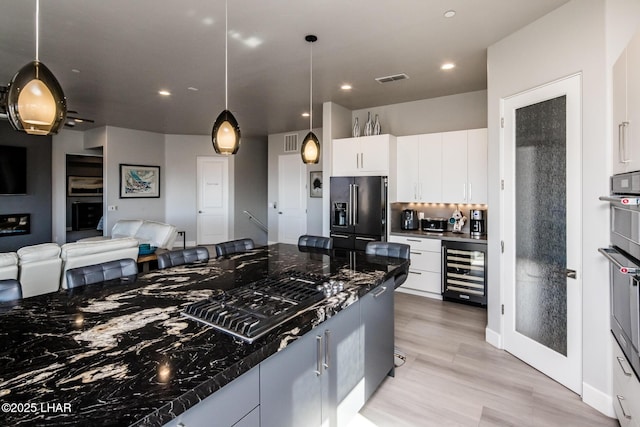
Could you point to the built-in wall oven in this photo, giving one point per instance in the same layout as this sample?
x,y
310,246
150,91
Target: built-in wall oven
x,y
624,257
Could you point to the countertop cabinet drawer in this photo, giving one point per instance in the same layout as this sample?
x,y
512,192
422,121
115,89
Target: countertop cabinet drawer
x,y
432,245
425,271
428,261
626,389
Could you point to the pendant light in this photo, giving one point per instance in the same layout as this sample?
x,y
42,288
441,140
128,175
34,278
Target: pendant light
x,y
310,150
226,132
35,101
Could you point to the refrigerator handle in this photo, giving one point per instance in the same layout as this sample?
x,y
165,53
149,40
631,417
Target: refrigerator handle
x,y
355,204
350,208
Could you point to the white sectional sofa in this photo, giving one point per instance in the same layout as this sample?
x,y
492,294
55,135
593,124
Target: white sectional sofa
x,y
154,233
8,265
83,253
39,269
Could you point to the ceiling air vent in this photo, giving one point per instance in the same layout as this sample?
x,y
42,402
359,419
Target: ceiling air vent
x,y
394,78
291,143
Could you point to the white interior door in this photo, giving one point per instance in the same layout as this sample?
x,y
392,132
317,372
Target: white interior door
x,y
542,222
292,195
213,200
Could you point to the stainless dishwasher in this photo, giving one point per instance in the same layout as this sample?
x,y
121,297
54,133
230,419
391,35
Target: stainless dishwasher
x,y
464,272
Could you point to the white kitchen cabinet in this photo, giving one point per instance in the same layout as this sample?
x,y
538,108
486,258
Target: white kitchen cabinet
x,y
626,389
425,271
419,168
477,158
363,156
446,167
464,166
626,109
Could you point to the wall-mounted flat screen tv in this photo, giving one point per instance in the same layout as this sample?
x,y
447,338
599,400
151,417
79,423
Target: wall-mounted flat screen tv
x,y
13,170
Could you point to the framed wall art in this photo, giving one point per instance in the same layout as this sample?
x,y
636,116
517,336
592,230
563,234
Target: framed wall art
x,y
84,186
139,181
315,184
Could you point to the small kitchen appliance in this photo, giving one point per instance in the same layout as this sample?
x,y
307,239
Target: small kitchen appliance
x,y
433,224
477,222
409,220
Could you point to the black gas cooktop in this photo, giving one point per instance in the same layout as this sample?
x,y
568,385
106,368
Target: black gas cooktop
x,y
253,310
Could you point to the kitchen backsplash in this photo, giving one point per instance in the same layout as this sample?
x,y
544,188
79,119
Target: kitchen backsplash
x,y
433,210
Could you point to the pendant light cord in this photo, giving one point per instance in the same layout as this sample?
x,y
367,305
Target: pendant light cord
x,y
226,58
311,91
38,30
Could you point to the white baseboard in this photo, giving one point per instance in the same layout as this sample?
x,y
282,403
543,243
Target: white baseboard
x,y
419,293
600,401
493,338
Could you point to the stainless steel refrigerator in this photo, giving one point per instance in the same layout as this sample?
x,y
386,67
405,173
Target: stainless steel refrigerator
x,y
358,211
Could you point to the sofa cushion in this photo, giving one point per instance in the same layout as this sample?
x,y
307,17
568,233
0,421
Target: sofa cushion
x,y
8,259
157,234
86,248
35,253
126,228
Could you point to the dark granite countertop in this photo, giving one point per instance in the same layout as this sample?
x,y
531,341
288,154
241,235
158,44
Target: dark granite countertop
x,y
123,354
447,235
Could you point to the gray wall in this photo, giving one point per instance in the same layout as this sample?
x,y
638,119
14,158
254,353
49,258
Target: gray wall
x,y
250,177
569,40
37,201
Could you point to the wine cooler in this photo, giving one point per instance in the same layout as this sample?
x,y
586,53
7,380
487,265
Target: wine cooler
x,y
464,272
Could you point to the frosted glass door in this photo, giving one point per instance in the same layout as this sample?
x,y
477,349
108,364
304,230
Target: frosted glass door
x,y
541,205
541,231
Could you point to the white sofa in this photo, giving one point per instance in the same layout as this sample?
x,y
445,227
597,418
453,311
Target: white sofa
x,y
154,233
83,253
8,265
39,269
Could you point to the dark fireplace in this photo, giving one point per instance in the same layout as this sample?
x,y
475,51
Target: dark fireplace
x,y
15,224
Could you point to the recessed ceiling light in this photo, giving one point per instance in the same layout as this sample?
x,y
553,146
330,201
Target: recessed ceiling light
x,y
164,92
78,120
75,70
207,21
193,89
346,87
305,114
449,14
448,66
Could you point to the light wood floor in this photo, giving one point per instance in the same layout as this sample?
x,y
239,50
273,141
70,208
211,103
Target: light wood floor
x,y
452,377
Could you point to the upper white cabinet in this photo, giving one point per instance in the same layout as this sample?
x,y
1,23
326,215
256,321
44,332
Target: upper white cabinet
x,y
362,156
419,168
447,167
464,166
626,109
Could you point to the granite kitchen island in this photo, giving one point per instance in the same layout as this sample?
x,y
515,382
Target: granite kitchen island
x,y
124,355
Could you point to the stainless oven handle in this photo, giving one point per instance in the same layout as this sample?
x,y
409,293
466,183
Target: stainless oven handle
x,y
622,201
620,400
624,370
606,252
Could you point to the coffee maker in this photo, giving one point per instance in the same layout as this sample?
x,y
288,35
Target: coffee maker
x,y
477,223
409,220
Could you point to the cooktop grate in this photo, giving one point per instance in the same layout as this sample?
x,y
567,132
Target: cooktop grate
x,y
253,310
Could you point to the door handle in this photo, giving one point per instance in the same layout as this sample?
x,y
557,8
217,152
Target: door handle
x,y
362,160
340,236
327,349
380,292
571,274
624,413
355,203
624,370
318,355
367,239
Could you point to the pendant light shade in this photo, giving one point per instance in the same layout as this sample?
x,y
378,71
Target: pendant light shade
x,y
226,132
35,101
310,150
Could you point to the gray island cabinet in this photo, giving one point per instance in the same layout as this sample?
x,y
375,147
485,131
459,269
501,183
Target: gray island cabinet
x,y
123,354
323,378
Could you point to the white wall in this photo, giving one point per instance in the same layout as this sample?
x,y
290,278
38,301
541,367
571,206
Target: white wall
x,y
66,142
568,40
